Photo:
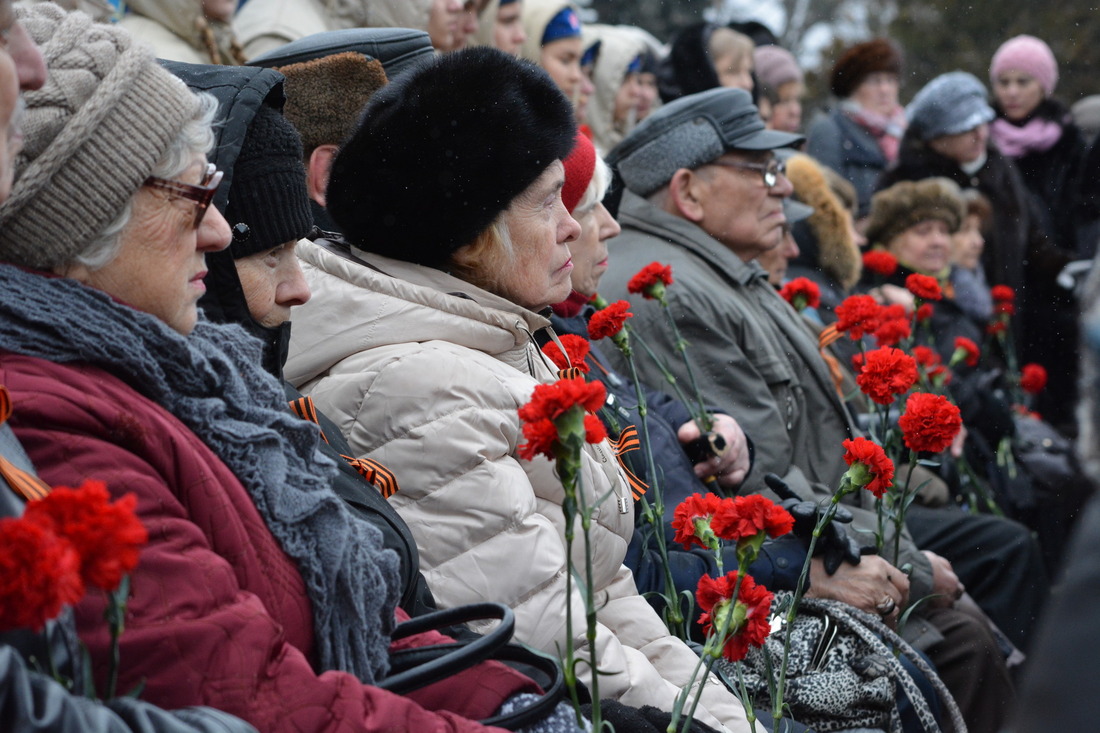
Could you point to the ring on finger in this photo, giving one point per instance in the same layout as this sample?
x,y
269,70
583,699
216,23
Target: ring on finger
x,y
886,606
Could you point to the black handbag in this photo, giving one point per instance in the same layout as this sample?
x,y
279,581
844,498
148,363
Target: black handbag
x,y
411,669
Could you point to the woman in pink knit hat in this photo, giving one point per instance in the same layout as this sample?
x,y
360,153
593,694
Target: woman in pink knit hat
x,y
1036,130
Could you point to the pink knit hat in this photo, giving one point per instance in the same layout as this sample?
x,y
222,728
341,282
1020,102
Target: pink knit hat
x,y
1029,55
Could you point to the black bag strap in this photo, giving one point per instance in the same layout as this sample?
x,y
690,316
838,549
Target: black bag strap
x,y
411,669
554,687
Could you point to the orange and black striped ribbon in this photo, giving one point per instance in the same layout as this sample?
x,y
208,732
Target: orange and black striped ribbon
x,y
570,373
373,471
628,441
828,336
24,483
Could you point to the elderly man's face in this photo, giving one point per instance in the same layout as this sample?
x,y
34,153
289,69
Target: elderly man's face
x,y
21,69
739,209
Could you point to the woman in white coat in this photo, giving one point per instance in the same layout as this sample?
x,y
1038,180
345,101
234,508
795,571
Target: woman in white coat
x,y
418,343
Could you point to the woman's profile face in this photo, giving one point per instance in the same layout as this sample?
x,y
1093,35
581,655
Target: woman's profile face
x,y
562,61
160,264
272,283
963,147
925,246
967,243
589,250
541,230
878,93
1018,94
734,69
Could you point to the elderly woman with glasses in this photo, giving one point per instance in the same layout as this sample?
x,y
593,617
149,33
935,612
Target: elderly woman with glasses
x,y
258,592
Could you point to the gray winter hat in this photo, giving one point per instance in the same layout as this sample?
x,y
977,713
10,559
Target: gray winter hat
x,y
103,119
690,132
949,104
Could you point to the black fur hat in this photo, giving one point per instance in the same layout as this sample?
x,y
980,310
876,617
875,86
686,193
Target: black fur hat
x,y
443,150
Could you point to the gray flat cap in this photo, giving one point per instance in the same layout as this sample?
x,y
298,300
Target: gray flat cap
x,y
690,132
949,104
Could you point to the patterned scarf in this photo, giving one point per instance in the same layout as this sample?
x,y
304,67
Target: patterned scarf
x,y
213,382
887,130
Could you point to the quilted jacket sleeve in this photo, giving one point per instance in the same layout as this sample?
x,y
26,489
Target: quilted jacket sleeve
x,y
193,634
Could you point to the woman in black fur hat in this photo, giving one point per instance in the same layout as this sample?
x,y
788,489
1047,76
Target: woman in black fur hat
x,y
421,328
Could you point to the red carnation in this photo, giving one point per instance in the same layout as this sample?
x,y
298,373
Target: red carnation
x,y
802,293
1033,378
748,516
576,348
696,506
924,287
594,431
1003,293
877,472
930,422
970,351
1004,308
857,315
609,321
925,356
651,280
549,402
893,326
749,626
886,373
106,536
880,262
924,312
857,362
39,573
995,328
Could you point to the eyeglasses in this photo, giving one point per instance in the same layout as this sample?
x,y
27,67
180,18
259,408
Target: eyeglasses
x,y
201,194
769,171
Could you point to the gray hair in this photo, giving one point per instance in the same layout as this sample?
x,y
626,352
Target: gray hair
x,y
195,138
597,188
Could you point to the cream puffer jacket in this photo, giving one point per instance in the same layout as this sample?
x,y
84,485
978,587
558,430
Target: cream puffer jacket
x,y
424,373
179,31
263,25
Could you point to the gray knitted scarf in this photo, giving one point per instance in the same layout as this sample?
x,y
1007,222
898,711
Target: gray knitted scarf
x,y
213,382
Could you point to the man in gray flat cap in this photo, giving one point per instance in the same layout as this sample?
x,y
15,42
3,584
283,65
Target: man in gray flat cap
x,y
705,195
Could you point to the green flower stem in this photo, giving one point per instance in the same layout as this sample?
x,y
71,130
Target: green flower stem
x,y
706,423
846,487
900,508
712,652
654,513
590,613
669,377
115,615
569,510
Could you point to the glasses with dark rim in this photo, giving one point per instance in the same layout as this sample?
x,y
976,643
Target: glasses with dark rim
x,y
201,194
769,171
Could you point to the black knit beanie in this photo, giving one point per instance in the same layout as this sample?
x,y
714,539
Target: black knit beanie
x,y
269,186
443,150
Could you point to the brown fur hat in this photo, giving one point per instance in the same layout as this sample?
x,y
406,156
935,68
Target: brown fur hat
x,y
838,254
862,60
909,203
326,96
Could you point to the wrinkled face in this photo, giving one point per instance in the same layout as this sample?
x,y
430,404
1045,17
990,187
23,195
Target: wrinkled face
x,y
589,250
272,283
647,94
627,97
562,61
963,147
21,69
541,230
508,33
787,111
445,25
739,210
878,92
219,9
1018,94
776,260
967,243
734,69
925,246
160,263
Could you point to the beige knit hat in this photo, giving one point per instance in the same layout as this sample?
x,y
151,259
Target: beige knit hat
x,y
93,133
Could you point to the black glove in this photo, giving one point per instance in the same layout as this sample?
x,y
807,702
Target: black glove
x,y
834,546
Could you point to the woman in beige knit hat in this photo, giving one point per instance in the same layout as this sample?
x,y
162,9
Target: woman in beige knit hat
x,y
258,592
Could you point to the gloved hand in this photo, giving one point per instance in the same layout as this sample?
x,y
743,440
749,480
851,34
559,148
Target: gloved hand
x,y
834,546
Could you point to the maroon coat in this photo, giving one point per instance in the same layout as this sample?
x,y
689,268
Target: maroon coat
x,y
219,615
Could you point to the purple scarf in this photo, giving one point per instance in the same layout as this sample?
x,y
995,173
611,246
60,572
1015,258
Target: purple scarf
x,y
1037,136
